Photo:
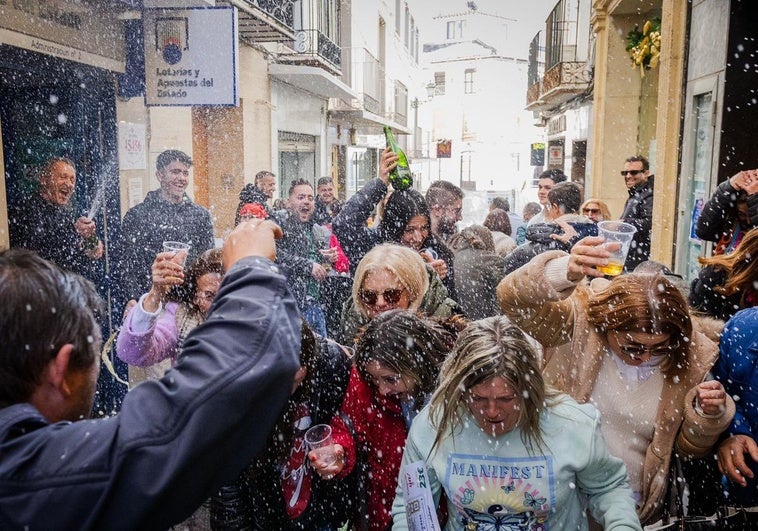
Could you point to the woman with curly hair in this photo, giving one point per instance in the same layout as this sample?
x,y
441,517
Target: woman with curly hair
x,y
155,328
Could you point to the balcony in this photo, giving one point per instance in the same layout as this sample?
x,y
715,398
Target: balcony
x,y
312,47
265,20
368,112
564,81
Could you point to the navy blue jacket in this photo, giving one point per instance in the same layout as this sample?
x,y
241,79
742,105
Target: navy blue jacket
x,y
737,369
175,440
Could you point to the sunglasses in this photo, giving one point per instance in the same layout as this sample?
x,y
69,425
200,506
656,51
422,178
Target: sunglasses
x,y
390,296
591,211
624,173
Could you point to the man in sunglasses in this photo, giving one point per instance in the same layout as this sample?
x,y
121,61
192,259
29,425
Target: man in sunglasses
x,y
638,210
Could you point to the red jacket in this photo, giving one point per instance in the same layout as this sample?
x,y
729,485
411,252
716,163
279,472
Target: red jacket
x,y
380,429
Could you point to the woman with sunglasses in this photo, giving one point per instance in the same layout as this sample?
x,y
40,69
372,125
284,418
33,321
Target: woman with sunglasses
x,y
595,210
398,357
403,220
390,277
630,347
509,451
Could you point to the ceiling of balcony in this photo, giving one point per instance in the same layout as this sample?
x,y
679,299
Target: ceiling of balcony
x,y
633,7
255,25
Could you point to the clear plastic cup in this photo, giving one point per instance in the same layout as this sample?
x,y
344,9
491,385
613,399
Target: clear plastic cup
x,y
319,440
616,232
180,250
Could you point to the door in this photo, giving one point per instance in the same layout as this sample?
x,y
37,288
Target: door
x,y
698,175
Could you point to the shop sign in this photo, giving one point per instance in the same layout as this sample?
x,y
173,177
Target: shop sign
x,y
555,155
70,30
191,56
444,149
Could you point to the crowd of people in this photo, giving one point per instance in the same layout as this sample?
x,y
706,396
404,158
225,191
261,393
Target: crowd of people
x,y
536,391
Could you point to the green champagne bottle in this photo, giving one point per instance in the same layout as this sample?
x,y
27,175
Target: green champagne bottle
x,y
400,177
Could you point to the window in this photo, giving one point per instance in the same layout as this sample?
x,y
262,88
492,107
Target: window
x,y
455,29
407,26
411,36
439,83
468,81
398,17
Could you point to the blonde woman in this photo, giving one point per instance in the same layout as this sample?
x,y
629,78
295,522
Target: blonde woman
x,y
389,277
595,210
509,451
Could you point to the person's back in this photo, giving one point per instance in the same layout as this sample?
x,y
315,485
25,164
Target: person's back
x,y
112,473
166,214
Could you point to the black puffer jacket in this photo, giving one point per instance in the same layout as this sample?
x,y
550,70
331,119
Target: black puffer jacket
x,y
539,240
704,298
145,228
638,211
718,221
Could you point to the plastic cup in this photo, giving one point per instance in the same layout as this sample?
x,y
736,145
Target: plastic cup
x,y
180,250
319,440
616,232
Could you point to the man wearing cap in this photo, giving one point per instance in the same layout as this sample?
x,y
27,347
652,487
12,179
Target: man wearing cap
x,y
638,210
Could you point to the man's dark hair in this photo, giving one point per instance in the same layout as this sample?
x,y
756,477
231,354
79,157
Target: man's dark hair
x,y
567,196
639,158
171,155
43,308
442,193
299,182
501,203
324,180
261,174
556,175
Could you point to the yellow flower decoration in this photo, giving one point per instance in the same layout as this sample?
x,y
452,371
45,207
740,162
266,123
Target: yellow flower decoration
x,y
644,47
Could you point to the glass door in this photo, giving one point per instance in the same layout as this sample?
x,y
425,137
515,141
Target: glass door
x,y
698,174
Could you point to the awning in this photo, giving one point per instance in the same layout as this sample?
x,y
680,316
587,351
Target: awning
x,y
312,79
365,122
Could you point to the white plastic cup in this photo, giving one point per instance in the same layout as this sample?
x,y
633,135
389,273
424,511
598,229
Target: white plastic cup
x,y
180,250
616,232
319,440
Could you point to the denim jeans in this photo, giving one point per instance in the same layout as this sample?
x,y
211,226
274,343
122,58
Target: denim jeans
x,y
314,316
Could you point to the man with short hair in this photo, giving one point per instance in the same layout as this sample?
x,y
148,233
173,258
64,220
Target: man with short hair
x,y
47,224
176,440
638,210
259,192
564,226
166,214
327,205
547,180
304,253
445,202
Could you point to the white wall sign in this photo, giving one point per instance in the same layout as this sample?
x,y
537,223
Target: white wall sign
x,y
132,146
191,56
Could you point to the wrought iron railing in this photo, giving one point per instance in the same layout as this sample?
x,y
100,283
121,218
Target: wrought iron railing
x,y
314,43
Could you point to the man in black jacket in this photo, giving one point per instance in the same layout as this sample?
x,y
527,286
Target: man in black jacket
x,y
46,223
166,214
175,440
638,210
258,193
